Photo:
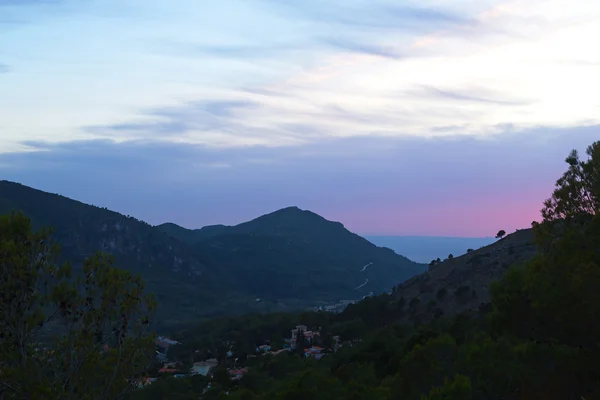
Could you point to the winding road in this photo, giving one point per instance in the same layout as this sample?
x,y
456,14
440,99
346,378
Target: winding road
x,y
358,287
366,266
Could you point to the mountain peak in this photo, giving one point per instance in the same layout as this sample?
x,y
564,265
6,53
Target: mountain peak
x,y
290,221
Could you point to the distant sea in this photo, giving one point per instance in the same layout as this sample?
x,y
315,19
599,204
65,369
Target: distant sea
x,y
423,249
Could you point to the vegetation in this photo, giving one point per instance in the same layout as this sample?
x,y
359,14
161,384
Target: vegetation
x,y
102,315
537,338
500,234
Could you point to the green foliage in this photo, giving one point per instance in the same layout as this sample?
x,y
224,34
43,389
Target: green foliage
x,y
102,306
172,388
458,388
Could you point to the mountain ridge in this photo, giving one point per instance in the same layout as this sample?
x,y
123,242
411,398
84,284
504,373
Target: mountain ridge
x,y
290,259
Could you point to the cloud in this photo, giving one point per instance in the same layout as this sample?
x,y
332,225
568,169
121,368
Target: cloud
x,y
368,14
446,186
308,71
365,48
4,69
472,95
200,117
186,48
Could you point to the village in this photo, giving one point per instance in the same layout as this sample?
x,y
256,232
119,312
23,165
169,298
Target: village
x,y
299,334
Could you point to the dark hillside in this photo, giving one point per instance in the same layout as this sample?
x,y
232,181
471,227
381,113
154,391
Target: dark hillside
x,y
289,259
461,284
298,254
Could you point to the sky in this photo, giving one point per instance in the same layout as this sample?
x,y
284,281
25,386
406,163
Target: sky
x,y
443,118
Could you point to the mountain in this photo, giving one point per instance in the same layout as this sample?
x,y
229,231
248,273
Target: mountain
x,y
289,259
461,284
292,252
423,249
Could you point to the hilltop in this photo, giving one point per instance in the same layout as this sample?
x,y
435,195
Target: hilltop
x,y
285,260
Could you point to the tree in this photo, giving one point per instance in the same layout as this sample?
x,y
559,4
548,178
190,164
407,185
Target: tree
x,y
554,301
300,343
455,389
577,192
450,257
66,335
500,234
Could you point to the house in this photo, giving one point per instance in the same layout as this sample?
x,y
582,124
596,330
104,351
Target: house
x,y
237,374
308,335
263,349
145,381
168,370
166,340
162,348
314,351
204,367
277,352
299,328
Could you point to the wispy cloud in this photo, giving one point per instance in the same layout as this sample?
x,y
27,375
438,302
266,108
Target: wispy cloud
x,y
361,47
472,95
305,72
179,121
4,68
369,14
186,48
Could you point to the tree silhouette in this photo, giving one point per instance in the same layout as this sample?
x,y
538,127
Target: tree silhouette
x,y
500,234
102,315
577,192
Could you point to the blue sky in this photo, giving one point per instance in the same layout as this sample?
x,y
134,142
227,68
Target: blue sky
x,y
392,116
